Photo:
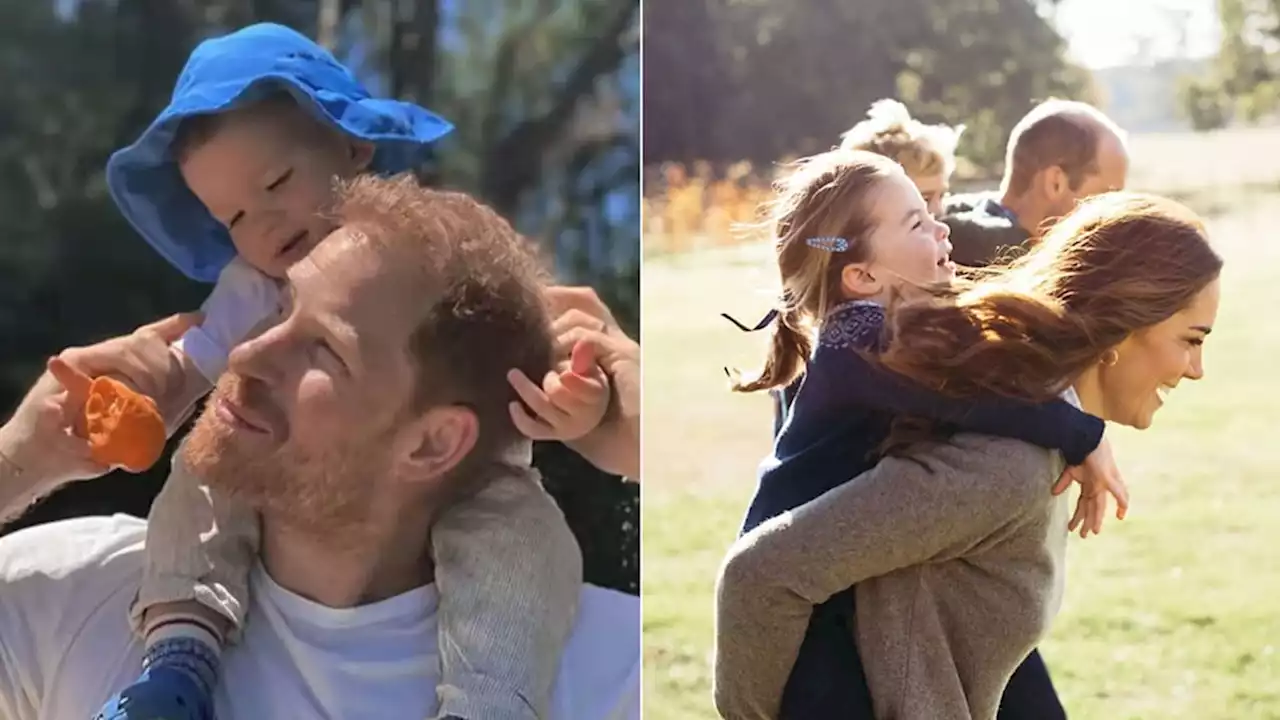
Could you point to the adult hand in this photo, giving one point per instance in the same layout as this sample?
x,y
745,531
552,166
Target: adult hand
x,y
39,449
39,440
581,317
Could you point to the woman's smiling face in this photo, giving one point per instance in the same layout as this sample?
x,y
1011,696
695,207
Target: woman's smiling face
x,y
1153,360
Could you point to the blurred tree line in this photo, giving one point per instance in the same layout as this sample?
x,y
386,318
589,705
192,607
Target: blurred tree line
x,y
545,95
1243,82
727,80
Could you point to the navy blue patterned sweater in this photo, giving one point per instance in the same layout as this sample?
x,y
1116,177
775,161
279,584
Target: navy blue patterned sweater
x,y
836,417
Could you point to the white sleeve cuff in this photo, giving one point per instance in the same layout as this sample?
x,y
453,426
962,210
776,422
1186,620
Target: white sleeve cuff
x,y
205,353
241,300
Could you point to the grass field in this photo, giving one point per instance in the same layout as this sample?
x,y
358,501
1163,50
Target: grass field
x,y
1170,614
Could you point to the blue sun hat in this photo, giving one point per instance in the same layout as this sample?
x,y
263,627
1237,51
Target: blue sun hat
x,y
231,71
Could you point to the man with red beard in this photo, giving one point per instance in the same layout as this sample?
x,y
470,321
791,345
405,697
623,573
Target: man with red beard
x,y
380,398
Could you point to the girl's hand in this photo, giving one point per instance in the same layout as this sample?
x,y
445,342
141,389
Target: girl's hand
x,y
571,402
1098,477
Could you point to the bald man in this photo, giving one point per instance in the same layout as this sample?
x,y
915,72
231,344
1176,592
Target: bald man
x,y
1060,153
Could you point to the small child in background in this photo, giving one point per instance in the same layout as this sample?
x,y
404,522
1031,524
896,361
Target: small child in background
x,y
854,233
926,152
228,184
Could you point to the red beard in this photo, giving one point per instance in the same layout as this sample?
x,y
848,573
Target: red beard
x,y
316,490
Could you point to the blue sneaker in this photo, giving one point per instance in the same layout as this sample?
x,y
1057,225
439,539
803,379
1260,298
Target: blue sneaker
x,y
162,693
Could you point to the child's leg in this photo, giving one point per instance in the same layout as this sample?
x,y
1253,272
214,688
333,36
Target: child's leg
x,y
192,598
1030,693
509,573
200,548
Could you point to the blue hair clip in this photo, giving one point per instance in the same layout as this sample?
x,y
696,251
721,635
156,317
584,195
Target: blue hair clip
x,y
830,244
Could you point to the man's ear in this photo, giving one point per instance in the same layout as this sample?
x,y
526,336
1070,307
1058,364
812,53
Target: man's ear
x,y
437,442
1055,182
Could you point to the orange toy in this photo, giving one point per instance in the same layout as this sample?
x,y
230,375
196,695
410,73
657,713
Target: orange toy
x,y
124,427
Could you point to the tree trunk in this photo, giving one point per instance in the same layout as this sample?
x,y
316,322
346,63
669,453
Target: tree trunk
x,y
414,25
328,18
514,163
412,62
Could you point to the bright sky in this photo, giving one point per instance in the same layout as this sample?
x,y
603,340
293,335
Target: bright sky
x,y
1104,33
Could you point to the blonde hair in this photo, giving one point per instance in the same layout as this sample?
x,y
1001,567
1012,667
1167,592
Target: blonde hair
x,y
889,130
825,196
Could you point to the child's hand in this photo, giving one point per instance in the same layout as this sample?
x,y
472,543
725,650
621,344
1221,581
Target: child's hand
x,y
142,360
571,402
1098,476
581,316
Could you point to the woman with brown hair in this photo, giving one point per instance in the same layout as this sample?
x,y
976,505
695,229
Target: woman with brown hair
x,y
956,547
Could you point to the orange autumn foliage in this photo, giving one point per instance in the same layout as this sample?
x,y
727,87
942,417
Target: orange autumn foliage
x,y
686,208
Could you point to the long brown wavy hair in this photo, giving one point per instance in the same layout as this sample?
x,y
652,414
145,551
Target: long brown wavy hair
x,y
1118,263
828,195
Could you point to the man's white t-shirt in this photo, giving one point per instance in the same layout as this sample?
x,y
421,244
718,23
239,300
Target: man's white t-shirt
x,y
66,645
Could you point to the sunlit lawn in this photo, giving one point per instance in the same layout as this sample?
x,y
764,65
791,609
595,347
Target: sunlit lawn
x,y
1171,614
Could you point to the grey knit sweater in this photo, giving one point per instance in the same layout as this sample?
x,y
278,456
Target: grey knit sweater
x,y
958,566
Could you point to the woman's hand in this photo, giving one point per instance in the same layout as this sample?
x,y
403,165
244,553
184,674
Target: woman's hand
x,y
1098,477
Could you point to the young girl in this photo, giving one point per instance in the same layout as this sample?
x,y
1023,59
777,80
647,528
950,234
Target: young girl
x,y
926,152
229,183
853,232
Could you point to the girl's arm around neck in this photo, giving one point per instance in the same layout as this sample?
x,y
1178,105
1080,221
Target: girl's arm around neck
x,y
850,379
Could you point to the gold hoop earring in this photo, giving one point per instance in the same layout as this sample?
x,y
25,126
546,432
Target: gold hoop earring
x,y
1111,357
